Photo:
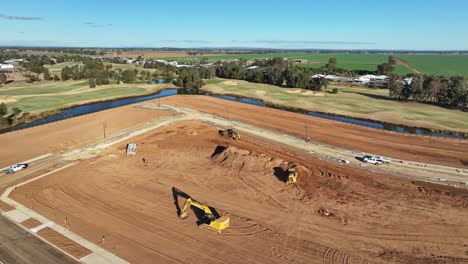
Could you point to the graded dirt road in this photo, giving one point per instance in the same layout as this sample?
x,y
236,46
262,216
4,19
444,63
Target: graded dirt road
x,y
29,143
336,214
18,246
404,146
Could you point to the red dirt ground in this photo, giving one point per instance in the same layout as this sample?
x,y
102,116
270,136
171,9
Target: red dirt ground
x,y
32,142
31,223
403,146
336,214
63,243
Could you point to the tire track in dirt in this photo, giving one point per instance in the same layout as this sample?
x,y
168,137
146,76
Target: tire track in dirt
x,y
404,63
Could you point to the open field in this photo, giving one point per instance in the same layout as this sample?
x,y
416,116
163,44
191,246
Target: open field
x,y
56,69
133,204
350,101
346,61
61,94
151,54
448,65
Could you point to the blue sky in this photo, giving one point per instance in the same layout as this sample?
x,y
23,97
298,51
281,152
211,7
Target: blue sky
x,y
332,24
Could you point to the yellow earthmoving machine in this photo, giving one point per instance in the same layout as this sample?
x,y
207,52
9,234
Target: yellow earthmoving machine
x,y
229,133
209,220
292,173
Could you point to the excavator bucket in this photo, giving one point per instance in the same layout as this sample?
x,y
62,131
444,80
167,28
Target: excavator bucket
x,y
183,215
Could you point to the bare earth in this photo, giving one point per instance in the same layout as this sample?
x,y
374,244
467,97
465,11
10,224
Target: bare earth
x,y
335,214
405,146
29,143
373,218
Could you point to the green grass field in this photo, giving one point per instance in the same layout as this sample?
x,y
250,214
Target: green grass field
x,y
61,94
315,60
448,65
58,87
35,104
350,101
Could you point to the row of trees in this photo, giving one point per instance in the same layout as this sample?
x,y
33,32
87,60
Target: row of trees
x,y
193,77
276,71
440,90
89,70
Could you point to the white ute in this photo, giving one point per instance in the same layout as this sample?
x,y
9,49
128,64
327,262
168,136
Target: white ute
x,y
377,160
15,168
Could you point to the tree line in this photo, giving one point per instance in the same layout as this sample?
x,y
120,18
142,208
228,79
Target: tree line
x,y
276,71
439,90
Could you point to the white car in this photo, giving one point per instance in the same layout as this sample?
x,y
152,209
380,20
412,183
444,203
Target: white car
x,y
16,168
373,160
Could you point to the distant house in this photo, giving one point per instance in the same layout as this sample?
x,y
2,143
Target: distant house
x,y
366,79
408,80
15,61
317,76
7,67
252,68
300,61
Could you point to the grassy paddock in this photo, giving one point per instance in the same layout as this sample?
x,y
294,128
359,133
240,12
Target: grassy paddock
x,y
350,101
61,94
448,65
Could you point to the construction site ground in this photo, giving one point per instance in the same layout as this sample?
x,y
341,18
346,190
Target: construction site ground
x,y
338,212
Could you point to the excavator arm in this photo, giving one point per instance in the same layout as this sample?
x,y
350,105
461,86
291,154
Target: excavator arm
x,y
190,202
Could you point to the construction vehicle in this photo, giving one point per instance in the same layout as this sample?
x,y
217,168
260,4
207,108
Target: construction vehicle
x,y
229,133
209,221
292,173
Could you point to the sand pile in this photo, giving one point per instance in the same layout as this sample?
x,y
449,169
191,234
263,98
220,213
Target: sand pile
x,y
241,160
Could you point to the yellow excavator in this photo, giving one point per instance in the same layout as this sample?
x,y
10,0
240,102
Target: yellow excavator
x,y
229,133
209,220
292,173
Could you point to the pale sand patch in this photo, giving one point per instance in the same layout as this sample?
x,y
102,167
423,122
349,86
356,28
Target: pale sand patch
x,y
7,100
260,92
232,83
313,93
294,91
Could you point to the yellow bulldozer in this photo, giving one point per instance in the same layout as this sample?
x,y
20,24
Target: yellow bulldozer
x,y
292,173
209,220
229,133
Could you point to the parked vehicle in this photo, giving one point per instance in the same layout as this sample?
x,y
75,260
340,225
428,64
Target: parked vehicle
x,y
377,160
16,167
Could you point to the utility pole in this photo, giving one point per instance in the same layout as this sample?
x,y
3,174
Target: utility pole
x,y
307,138
104,126
227,112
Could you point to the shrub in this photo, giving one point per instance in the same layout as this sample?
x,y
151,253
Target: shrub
x,y
335,90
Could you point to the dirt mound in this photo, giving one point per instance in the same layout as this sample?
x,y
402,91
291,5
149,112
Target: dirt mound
x,y
243,160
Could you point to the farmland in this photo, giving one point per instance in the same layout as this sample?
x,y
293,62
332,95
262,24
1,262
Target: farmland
x,y
350,101
448,65
314,60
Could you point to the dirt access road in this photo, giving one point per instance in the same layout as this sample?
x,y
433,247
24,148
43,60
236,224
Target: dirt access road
x,y
336,214
422,149
29,143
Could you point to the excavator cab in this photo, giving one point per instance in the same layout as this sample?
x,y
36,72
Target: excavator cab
x,y
209,221
229,133
292,173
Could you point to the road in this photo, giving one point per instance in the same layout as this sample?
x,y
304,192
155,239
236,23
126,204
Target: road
x,y
19,246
